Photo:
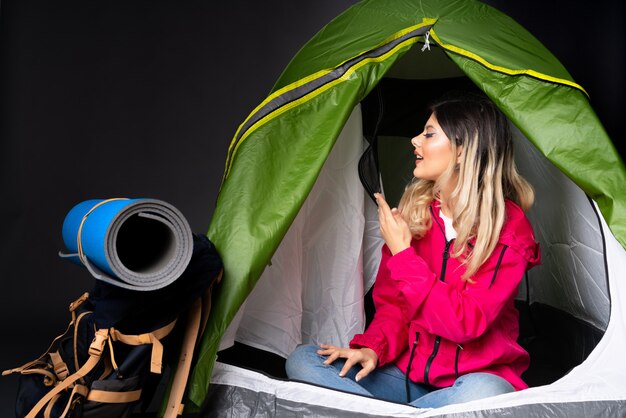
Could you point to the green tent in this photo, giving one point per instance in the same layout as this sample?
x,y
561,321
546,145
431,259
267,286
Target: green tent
x,y
373,54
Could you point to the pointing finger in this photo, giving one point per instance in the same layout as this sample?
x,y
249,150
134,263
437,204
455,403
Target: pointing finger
x,y
380,200
347,366
367,368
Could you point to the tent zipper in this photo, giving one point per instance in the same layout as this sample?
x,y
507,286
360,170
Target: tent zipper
x,y
408,368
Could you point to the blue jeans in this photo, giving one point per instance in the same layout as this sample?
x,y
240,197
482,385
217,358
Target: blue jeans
x,y
389,383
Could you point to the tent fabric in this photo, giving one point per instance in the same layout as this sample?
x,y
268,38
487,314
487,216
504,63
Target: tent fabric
x,y
286,98
138,244
567,232
470,25
312,291
281,148
244,393
563,126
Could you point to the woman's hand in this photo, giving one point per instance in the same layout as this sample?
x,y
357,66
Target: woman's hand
x,y
366,357
393,227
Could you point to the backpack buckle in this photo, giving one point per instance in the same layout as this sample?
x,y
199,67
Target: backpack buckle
x,y
74,305
99,340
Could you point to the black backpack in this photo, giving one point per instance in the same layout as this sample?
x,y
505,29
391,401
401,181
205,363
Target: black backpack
x,y
108,362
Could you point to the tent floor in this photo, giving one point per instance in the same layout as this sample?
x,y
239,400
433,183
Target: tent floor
x,y
242,355
556,341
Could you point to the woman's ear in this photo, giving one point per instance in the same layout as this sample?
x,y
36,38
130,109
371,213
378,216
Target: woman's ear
x,y
459,153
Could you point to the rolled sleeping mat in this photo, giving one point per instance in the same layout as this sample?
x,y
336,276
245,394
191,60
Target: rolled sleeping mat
x,y
138,244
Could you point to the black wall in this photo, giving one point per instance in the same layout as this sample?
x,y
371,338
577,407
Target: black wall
x,y
141,99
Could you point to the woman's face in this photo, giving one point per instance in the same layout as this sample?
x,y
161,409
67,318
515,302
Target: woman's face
x,y
433,151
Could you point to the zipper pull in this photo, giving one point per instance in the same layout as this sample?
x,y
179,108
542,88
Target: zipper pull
x,y
459,347
446,252
426,42
444,263
408,368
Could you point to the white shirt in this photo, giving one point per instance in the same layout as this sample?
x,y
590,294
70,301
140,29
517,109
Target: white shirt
x,y
447,222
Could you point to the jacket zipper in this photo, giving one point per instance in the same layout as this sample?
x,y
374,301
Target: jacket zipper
x,y
442,277
459,347
444,264
408,368
431,359
446,251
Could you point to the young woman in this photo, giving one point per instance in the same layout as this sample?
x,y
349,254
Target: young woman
x,y
456,249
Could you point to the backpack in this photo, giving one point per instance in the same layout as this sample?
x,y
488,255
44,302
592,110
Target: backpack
x,y
109,361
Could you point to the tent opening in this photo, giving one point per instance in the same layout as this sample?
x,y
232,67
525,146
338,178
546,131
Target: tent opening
x,y
564,303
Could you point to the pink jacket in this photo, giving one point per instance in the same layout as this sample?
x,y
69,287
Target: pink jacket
x,y
437,326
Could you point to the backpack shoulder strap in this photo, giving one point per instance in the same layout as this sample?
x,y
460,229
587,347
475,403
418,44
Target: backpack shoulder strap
x,y
174,404
196,323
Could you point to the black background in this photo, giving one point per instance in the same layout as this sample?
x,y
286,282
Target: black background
x,y
141,99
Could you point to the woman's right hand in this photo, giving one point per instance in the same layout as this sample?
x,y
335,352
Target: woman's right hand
x,y
366,357
393,228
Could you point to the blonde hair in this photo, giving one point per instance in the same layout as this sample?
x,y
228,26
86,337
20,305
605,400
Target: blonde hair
x,y
486,176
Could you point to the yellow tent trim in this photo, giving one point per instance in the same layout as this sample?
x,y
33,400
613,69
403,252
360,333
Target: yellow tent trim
x,y
309,78
316,93
504,70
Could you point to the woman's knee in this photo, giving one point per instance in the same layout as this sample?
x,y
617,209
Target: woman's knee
x,y
302,359
485,383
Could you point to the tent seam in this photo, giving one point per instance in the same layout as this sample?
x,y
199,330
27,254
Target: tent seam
x,y
500,69
317,92
237,140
